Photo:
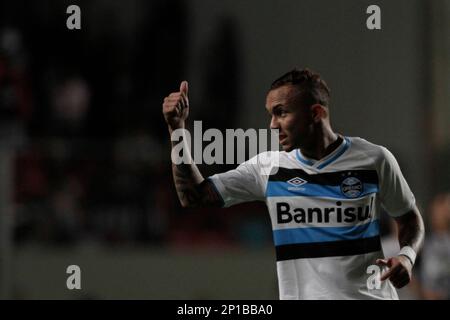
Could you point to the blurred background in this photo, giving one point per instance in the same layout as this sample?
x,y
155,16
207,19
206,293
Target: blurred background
x,y
85,173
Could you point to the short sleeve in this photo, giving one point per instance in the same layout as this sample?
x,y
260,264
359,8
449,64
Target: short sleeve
x,y
243,184
395,195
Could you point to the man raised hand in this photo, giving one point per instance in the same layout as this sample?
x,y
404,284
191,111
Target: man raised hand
x,y
176,107
192,189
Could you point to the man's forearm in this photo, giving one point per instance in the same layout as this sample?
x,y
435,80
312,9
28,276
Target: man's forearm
x,y
411,230
410,234
186,176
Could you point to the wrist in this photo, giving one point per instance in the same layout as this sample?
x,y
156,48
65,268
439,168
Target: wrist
x,y
174,127
409,253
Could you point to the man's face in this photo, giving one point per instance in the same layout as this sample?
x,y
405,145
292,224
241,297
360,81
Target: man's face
x,y
290,117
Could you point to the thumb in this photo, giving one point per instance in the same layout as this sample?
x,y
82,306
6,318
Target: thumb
x,y
184,87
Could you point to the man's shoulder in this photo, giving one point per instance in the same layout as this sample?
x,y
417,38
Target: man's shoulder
x,y
367,147
273,155
265,162
377,154
267,158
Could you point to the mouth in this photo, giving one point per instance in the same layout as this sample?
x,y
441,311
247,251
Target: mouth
x,y
282,138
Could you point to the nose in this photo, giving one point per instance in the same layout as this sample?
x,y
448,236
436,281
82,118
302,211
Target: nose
x,y
274,123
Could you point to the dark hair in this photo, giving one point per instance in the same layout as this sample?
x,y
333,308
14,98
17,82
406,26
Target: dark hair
x,y
312,87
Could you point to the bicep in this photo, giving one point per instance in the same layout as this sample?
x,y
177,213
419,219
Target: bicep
x,y
208,194
238,185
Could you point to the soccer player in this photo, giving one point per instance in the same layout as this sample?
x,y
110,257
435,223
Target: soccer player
x,y
324,195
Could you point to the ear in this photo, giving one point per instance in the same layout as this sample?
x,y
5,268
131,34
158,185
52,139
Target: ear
x,y
318,112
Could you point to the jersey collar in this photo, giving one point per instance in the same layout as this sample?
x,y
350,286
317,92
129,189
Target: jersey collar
x,y
322,163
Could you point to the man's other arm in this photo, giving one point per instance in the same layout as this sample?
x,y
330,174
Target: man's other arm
x,y
411,233
411,230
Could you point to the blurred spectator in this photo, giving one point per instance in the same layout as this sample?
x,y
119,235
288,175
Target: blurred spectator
x,y
70,103
65,204
15,94
436,253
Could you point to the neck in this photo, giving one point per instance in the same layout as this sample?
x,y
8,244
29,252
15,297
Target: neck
x,y
323,143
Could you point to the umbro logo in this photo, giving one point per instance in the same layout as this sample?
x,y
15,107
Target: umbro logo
x,y
296,181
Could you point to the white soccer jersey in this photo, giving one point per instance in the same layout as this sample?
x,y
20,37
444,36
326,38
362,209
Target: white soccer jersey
x,y
324,215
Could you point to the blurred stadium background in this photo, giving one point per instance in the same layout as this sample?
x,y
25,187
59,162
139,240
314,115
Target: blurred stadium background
x,y
84,155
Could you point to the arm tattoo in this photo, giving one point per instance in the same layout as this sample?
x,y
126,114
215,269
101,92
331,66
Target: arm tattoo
x,y
192,189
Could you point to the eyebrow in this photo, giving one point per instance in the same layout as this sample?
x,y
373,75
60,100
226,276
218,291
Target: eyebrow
x,y
277,106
